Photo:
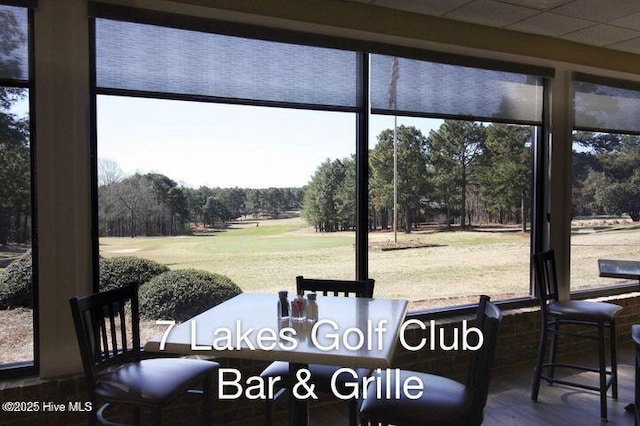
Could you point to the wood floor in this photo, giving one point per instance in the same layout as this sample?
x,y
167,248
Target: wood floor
x,y
510,402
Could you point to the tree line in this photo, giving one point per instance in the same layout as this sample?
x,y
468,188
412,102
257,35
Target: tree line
x,y
464,172
470,173
154,204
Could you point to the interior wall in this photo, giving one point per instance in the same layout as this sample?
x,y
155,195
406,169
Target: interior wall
x,y
62,176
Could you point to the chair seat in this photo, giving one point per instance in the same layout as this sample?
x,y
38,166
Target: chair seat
x,y
320,375
443,402
635,334
152,382
580,310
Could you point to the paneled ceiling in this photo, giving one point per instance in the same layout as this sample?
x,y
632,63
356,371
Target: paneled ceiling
x,y
612,24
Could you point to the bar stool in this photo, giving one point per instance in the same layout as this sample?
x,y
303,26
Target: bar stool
x,y
555,313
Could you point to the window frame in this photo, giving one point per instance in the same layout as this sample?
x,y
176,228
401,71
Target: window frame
x,y
32,367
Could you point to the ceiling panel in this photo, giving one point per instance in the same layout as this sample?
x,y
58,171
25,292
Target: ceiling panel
x,y
599,10
491,13
602,35
550,24
427,7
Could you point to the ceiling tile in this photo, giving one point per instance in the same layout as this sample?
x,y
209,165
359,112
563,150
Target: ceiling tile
x,y
631,22
537,4
632,45
491,13
427,7
550,24
599,10
602,35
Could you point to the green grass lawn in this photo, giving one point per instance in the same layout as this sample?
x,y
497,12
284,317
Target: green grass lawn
x,y
455,268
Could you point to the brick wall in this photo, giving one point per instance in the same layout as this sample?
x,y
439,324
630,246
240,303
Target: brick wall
x,y
517,345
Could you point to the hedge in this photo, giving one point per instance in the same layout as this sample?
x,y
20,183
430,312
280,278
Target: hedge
x,y
181,294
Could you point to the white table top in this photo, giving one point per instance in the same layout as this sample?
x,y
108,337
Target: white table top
x,y
255,312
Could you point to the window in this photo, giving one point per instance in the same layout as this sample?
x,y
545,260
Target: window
x,y
606,159
217,119
240,151
17,279
462,189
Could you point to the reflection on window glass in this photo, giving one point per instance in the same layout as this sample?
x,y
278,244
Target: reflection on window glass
x,y
606,204
257,194
461,226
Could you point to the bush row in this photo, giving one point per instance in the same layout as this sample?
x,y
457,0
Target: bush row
x,y
164,294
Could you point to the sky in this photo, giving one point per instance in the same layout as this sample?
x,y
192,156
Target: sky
x,y
203,144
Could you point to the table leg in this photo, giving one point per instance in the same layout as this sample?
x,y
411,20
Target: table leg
x,y
298,408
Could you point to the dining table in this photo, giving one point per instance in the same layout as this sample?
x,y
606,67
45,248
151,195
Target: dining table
x,y
350,332
623,269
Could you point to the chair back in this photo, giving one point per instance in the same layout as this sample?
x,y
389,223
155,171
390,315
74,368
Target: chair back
x,y
546,277
479,374
357,288
108,329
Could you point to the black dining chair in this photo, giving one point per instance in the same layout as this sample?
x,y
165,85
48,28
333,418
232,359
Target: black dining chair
x,y
321,374
108,330
444,402
576,313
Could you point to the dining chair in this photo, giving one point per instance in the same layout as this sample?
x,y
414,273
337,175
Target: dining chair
x,y
107,327
444,402
577,313
321,374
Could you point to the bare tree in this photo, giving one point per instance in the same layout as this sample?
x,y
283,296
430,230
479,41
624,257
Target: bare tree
x,y
108,172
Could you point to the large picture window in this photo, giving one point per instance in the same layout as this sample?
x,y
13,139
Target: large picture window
x,y
244,157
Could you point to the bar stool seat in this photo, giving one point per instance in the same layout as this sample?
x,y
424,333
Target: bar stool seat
x,y
580,310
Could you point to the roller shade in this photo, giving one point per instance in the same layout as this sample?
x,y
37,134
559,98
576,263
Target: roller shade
x,y
416,87
607,106
14,46
148,58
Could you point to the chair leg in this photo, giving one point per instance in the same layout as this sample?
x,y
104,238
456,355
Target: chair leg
x,y
207,399
268,412
157,417
603,371
537,373
614,360
553,351
353,412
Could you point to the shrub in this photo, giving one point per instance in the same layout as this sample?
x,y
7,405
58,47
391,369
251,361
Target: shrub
x,y
16,283
184,293
118,271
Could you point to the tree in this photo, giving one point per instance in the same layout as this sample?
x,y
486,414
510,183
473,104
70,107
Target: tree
x,y
505,171
15,170
612,178
326,203
108,172
413,177
453,151
15,163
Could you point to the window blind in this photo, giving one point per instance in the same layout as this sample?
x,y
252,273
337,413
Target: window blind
x,y
148,58
14,47
606,106
415,87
